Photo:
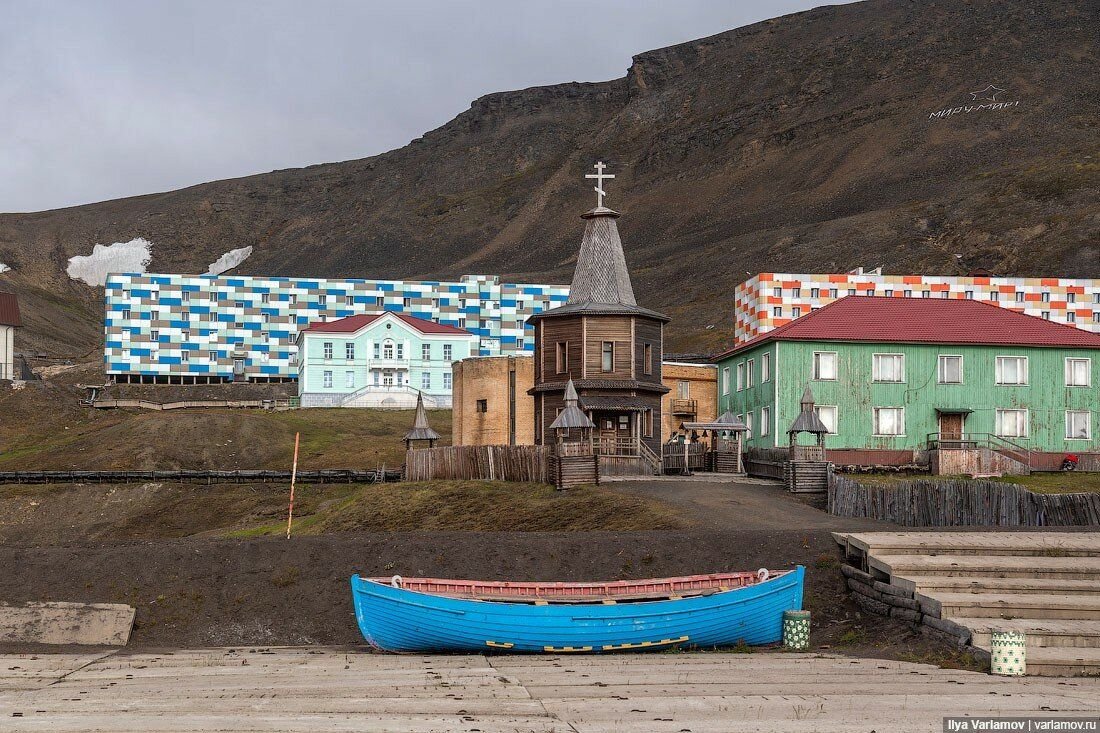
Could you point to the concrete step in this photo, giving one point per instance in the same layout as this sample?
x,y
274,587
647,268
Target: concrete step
x,y
935,584
1040,544
957,606
1006,566
1063,661
1040,632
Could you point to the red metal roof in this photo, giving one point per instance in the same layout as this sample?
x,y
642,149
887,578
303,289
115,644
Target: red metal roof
x,y
9,310
351,324
864,318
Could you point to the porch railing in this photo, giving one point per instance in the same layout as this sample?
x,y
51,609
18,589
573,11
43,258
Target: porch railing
x,y
616,446
1017,451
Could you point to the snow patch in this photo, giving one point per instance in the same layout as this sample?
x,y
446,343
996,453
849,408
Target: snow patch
x,y
132,256
229,260
4,268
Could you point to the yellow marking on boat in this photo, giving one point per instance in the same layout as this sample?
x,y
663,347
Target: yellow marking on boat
x,y
609,602
675,598
567,649
643,644
499,644
723,588
542,603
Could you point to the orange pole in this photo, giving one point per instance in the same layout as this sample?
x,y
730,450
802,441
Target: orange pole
x,y
293,476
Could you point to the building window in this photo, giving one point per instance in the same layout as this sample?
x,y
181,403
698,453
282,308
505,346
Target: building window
x,y
944,294
851,291
796,292
322,300
185,356
483,405
265,298
950,370
647,358
777,312
447,350
155,335
1045,315
748,425
908,293
925,294
327,377
1071,297
1019,296
1011,370
889,421
406,302
725,380
750,366
387,350
446,380
1071,317
968,294
796,311
426,352
995,296
349,300
777,292
825,365
740,376
1078,425
888,367
265,357
827,415
400,350
607,356
213,356
815,292
561,357
888,293
349,350
1011,423
349,379
1096,317
1045,296
126,315
425,380
765,421
765,367
328,350
647,424
377,350
1078,372
379,300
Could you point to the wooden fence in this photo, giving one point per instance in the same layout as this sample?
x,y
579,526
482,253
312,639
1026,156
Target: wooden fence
x,y
931,503
324,476
272,404
766,462
480,462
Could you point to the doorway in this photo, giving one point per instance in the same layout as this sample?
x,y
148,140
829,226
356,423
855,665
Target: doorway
x,y
951,427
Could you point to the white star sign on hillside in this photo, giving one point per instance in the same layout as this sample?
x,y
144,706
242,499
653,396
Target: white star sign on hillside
x,y
600,177
989,93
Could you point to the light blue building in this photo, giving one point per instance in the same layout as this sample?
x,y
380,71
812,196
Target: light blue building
x,y
188,329
379,361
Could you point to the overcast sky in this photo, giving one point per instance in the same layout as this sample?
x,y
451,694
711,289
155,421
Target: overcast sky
x,y
104,99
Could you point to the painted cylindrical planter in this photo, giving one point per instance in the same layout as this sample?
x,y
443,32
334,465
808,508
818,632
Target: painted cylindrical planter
x,y
796,630
1008,653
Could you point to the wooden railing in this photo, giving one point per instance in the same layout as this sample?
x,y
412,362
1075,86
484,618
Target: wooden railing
x,y
1017,451
616,446
527,463
681,406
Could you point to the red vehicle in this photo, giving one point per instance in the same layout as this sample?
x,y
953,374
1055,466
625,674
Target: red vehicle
x,y
1069,462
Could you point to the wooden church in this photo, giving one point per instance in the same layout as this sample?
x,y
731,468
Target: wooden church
x,y
609,346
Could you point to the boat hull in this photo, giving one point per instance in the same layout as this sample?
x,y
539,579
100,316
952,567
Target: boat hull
x,y
399,620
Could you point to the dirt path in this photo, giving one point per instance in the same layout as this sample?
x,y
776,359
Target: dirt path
x,y
745,503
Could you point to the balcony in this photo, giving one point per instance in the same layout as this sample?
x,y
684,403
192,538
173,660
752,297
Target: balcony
x,y
684,407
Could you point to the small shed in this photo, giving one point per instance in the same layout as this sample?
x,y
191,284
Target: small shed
x,y
719,444
421,430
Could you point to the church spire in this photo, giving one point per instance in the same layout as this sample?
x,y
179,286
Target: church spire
x,y
601,275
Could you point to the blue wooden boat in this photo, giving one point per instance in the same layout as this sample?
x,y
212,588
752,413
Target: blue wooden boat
x,y
430,615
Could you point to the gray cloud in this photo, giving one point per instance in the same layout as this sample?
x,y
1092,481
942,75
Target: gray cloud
x,y
100,100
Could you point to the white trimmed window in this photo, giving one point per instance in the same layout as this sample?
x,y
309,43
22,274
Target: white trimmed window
x,y
725,380
1011,370
827,415
1011,423
425,380
750,366
1078,372
888,367
327,379
777,312
426,352
949,369
1078,425
328,350
446,380
825,365
748,424
349,351
765,421
740,376
765,367
349,379
889,421
447,352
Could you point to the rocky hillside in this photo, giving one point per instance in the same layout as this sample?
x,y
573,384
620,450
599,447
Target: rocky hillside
x,y
806,142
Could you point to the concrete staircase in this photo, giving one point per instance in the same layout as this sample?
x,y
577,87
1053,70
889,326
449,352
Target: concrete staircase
x,y
1046,584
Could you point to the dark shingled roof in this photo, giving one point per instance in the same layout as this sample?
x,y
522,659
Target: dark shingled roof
x,y
601,281
571,416
421,430
9,310
807,420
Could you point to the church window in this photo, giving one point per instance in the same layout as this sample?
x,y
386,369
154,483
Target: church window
x,y
647,358
561,357
607,356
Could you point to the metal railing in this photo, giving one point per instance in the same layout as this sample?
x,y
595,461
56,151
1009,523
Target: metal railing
x,y
1017,451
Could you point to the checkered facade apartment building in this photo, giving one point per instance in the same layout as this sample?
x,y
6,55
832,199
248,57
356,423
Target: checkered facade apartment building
x,y
214,328
769,300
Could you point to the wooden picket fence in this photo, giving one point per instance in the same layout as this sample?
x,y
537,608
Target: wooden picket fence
x,y
954,503
529,463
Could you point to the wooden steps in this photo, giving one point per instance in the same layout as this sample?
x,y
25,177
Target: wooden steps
x,y
1045,584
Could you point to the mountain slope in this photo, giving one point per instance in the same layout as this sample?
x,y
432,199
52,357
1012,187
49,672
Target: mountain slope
x,y
801,143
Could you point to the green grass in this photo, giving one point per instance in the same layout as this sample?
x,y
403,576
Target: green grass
x,y
1054,482
481,506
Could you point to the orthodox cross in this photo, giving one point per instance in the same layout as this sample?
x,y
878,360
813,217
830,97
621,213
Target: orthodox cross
x,y
599,175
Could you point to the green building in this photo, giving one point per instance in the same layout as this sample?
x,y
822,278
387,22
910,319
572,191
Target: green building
x,y
893,374
381,360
